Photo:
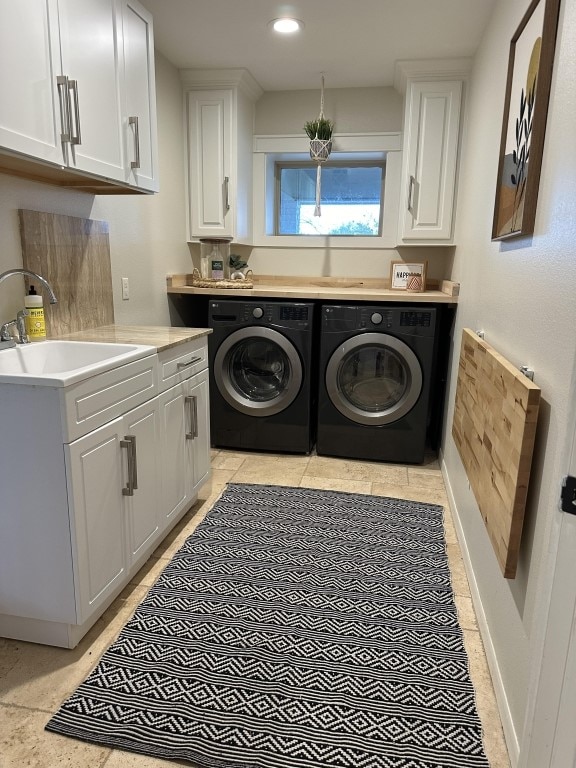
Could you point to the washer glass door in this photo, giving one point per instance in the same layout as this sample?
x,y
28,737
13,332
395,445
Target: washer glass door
x,y
258,371
374,378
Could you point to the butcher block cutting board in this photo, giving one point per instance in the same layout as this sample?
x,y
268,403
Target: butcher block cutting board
x,y
494,427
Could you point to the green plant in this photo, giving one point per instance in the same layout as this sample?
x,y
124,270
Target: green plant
x,y
321,128
236,262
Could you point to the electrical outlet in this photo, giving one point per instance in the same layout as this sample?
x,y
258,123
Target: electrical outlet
x,y
125,289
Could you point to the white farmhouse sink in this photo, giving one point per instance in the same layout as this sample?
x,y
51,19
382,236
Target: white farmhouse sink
x,y
61,363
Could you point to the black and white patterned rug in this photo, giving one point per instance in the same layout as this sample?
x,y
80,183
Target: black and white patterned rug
x,y
295,628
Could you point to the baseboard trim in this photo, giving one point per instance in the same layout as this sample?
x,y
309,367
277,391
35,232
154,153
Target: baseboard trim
x,y
510,733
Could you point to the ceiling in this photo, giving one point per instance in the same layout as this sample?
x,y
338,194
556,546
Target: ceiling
x,y
355,43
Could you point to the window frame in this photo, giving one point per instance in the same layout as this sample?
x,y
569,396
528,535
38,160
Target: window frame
x,y
280,165
347,147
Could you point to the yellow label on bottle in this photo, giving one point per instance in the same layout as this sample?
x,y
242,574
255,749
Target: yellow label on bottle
x,y
35,325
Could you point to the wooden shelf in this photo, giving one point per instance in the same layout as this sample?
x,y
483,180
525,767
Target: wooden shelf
x,y
329,288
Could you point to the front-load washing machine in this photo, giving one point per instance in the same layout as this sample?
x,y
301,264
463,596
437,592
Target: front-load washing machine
x,y
376,368
261,393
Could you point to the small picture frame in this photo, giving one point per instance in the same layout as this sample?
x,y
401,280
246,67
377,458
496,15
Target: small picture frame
x,y
408,276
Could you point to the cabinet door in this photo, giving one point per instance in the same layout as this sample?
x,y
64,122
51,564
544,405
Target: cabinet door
x,y
432,123
209,147
95,482
185,454
139,97
91,62
198,440
173,456
30,62
141,430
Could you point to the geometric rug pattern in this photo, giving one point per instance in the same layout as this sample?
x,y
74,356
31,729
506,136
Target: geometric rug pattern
x,y
295,628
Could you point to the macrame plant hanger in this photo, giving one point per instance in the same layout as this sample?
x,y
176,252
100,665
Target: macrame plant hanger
x,y
320,149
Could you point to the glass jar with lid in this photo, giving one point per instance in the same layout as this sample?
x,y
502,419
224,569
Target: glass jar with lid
x,y
215,258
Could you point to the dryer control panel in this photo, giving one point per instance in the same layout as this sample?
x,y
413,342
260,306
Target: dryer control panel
x,y
381,318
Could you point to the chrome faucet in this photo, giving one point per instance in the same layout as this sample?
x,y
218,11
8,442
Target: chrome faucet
x,y
6,339
20,327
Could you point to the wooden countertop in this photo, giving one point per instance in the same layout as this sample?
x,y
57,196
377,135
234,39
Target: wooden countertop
x,y
329,288
161,337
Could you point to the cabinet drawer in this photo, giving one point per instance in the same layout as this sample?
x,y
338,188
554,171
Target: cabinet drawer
x,y
95,401
179,363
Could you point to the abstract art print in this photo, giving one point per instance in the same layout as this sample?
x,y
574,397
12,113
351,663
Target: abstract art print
x,y
530,65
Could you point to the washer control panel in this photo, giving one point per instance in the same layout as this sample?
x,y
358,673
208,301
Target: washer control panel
x,y
287,315
416,317
376,317
380,318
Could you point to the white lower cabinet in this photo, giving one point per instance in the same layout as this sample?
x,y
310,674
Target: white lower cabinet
x,y
115,503
185,429
142,491
98,503
97,517
198,455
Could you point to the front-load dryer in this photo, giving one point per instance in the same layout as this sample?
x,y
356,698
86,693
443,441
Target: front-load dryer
x,y
261,393
376,368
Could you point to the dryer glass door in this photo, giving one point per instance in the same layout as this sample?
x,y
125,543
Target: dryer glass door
x,y
374,379
258,371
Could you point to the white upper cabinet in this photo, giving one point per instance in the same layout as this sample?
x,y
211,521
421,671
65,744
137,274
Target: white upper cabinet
x,y
139,109
78,93
220,115
212,196
432,119
30,63
431,149
91,71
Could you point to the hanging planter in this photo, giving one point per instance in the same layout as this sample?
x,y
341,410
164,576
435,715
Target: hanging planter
x,y
319,132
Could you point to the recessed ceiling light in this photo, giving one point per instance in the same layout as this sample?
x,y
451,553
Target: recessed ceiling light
x,y
287,26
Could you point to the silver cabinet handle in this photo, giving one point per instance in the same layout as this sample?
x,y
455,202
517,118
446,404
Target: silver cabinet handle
x,y
129,443
411,194
191,401
64,99
226,192
136,162
73,86
180,366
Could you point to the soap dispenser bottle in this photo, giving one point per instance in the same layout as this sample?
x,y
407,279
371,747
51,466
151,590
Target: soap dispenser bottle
x,y
35,323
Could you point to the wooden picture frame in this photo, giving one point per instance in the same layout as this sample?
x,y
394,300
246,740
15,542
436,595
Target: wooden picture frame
x,y
530,63
408,276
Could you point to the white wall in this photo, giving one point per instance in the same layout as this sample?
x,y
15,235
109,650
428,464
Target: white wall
x,y
147,232
353,110
522,294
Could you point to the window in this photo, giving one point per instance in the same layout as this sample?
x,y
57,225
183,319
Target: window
x,y
352,199
353,155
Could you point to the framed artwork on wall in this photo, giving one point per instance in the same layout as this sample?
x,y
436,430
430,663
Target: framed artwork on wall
x,y
530,63
408,277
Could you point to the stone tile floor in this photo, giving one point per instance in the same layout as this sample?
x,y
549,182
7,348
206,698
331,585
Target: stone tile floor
x,y
35,679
